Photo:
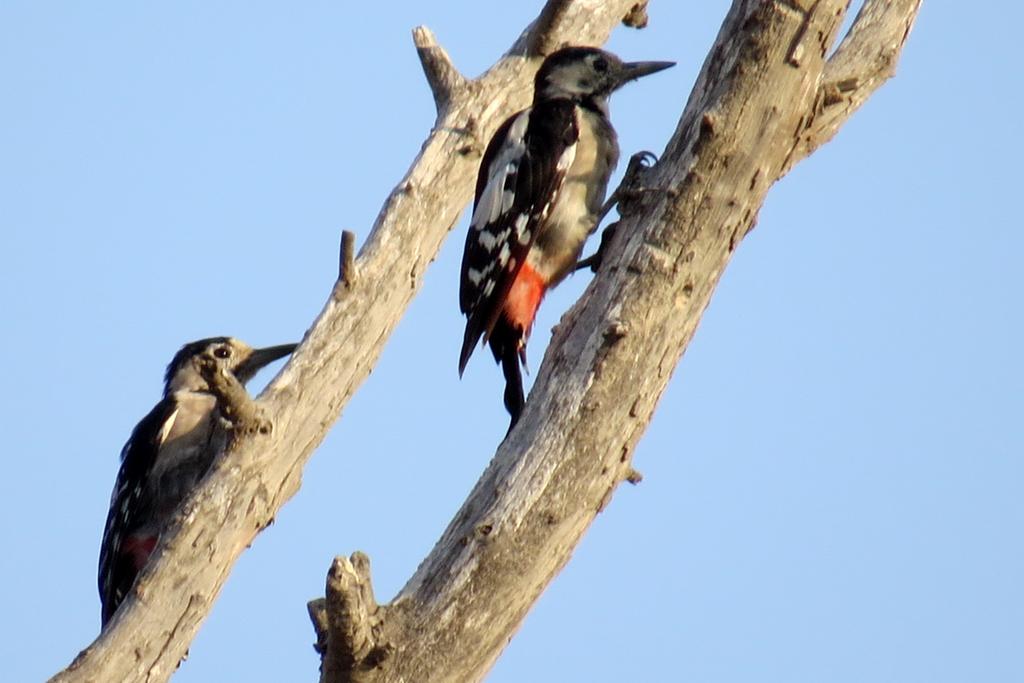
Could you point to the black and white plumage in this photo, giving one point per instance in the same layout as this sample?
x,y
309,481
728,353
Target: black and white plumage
x,y
539,192
167,454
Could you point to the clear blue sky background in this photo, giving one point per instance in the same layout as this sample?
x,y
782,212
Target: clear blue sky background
x,y
833,482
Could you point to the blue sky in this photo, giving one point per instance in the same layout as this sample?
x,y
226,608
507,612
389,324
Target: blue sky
x,y
833,480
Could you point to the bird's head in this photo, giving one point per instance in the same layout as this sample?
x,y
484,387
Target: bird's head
x,y
581,73
229,353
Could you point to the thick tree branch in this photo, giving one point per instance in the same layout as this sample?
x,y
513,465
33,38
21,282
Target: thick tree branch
x,y
153,628
611,356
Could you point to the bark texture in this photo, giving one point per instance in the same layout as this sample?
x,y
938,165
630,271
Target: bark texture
x,y
767,96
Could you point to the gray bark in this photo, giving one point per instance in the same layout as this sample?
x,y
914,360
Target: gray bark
x,y
767,96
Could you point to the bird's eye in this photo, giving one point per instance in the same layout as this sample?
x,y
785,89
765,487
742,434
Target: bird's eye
x,y
600,65
222,352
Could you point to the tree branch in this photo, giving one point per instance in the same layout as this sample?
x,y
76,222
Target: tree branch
x,y
346,263
442,76
153,627
540,34
347,622
865,59
637,16
611,356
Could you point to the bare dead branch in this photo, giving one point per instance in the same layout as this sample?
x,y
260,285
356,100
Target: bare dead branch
x,y
346,621
539,44
608,363
346,261
151,632
442,76
611,356
637,16
865,59
317,609
539,40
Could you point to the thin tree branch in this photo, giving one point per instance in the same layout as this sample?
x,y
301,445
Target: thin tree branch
x,y
346,263
153,628
442,76
865,59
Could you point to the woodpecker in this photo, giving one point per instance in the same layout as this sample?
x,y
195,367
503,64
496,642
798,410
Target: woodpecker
x,y
539,192
167,454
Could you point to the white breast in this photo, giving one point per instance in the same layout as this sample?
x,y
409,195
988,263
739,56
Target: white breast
x,y
573,217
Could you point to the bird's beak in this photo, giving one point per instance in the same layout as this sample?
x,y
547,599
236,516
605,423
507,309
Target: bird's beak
x,y
260,358
633,70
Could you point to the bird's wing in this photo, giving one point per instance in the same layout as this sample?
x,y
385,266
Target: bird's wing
x,y
116,568
520,176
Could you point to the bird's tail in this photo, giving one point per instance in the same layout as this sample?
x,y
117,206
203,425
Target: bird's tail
x,y
514,398
508,346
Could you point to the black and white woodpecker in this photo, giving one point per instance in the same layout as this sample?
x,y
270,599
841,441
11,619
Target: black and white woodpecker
x,y
539,192
167,454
